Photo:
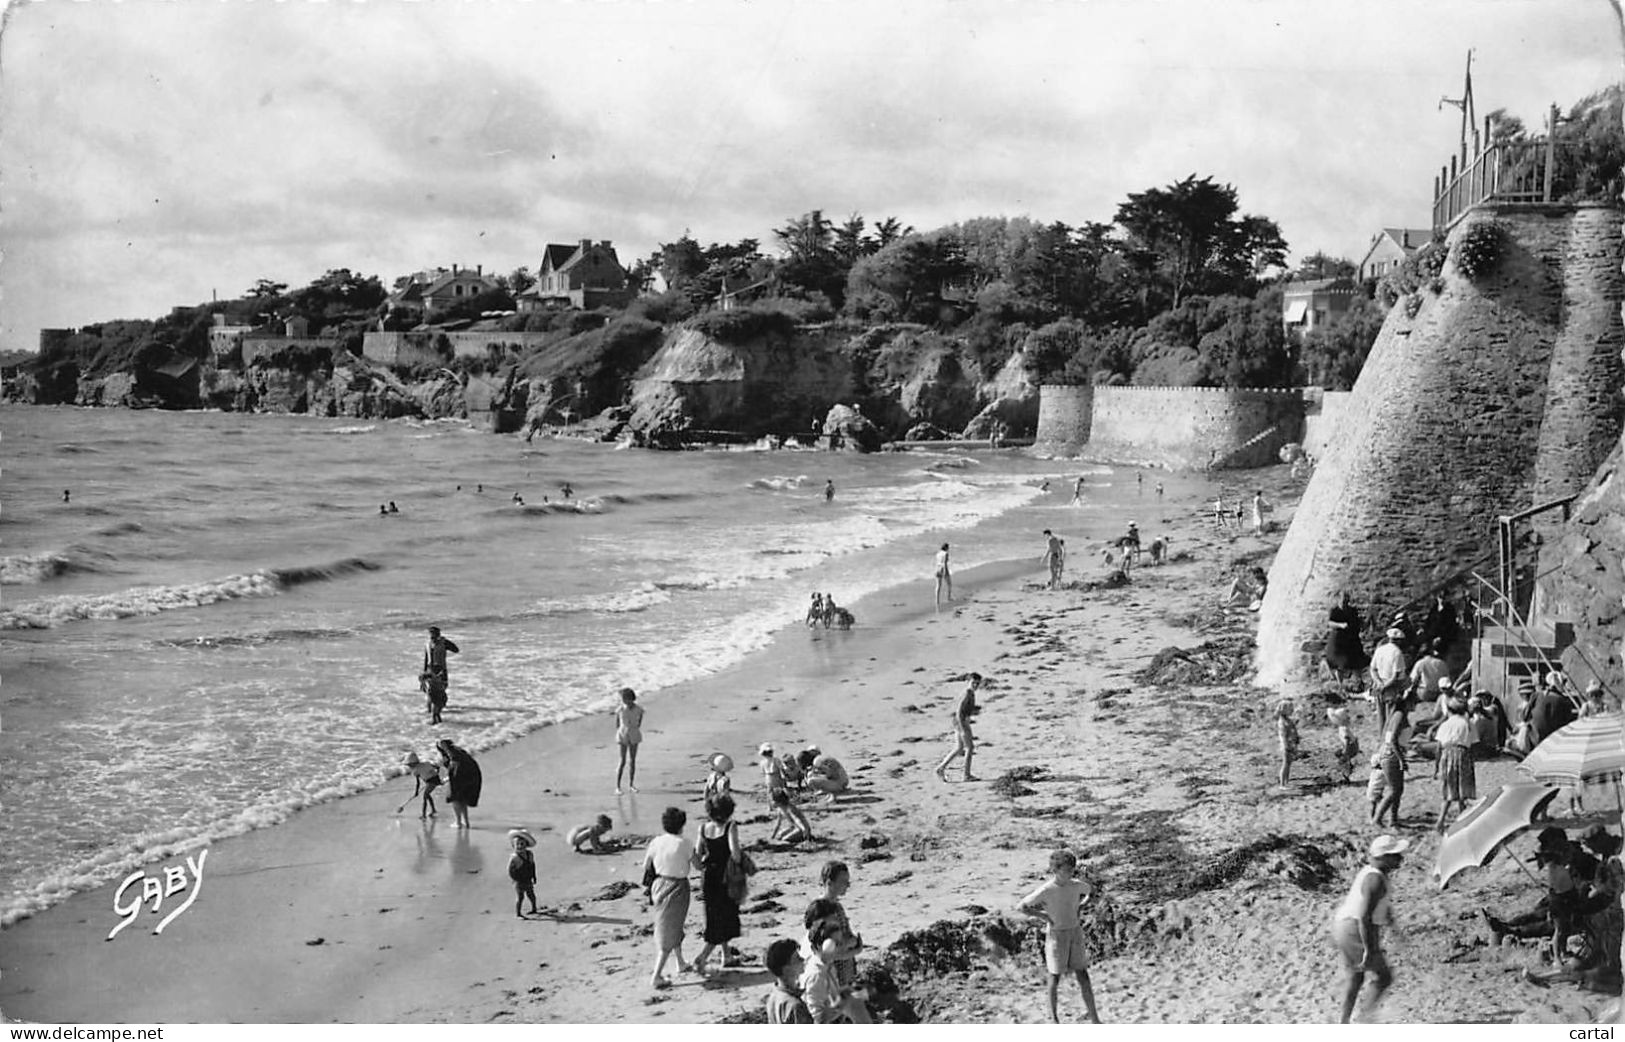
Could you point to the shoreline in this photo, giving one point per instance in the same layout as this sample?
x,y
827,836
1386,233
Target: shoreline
x,y
1219,880
65,942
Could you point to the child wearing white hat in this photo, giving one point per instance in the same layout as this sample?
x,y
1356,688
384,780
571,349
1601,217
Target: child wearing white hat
x,y
717,783
522,870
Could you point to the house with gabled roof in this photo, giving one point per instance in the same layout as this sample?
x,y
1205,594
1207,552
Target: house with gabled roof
x,y
585,276
1389,249
436,289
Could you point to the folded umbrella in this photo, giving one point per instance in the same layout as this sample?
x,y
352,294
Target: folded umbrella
x,y
1479,833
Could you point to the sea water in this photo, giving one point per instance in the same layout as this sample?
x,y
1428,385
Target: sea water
x,y
218,627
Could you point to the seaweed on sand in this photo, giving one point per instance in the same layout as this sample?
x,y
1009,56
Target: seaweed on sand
x,y
1219,661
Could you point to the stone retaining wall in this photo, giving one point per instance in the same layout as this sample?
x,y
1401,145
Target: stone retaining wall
x,y
1495,395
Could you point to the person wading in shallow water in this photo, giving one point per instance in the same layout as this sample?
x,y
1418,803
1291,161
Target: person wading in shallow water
x,y
433,679
1359,921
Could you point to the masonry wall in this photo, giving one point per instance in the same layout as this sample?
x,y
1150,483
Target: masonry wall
x,y
260,346
1324,411
1064,412
1459,415
1174,427
413,348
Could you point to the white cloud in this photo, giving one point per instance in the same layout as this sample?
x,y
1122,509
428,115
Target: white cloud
x,y
151,153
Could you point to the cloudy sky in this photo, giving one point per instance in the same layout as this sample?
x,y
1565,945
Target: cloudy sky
x,y
155,153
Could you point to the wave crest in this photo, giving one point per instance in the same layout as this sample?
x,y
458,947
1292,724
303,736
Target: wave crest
x,y
151,600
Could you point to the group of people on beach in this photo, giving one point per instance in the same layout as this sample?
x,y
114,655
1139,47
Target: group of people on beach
x,y
1427,710
825,612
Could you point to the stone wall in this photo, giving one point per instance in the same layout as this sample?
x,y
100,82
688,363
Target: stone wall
x,y
418,348
1064,413
1459,415
1176,427
1325,410
262,346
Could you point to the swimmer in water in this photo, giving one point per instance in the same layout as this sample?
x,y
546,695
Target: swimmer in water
x,y
383,511
567,490
829,490
393,509
66,494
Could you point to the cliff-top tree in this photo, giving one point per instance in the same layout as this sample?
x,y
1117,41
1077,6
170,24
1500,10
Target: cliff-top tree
x,y
1187,239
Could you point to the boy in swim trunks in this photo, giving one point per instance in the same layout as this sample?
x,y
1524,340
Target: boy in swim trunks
x,y
1058,903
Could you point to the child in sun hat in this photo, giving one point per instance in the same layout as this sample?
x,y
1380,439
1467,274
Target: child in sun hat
x,y
522,870
717,783
425,778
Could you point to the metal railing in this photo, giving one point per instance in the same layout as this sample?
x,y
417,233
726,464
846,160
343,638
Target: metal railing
x,y
1508,172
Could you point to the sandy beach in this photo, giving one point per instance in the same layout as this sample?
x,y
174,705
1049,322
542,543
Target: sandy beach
x,y
1218,882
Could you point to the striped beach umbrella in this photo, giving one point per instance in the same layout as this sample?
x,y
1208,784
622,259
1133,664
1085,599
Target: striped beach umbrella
x,y
1589,750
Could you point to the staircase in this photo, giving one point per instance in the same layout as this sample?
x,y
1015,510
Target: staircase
x,y
1254,452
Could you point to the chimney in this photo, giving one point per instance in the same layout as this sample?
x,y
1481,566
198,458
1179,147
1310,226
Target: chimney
x,y
586,244
479,269
454,267
605,244
219,319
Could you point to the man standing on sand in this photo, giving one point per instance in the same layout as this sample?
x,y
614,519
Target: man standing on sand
x,y
1077,493
829,490
945,579
1055,557
1389,675
1358,923
964,740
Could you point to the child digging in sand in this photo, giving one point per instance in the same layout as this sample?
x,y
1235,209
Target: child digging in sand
x,y
589,834
522,870
792,826
425,778
1058,903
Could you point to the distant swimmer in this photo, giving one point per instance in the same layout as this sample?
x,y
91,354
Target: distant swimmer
x,y
1139,482
393,509
567,490
829,490
383,511
520,500
1045,486
479,488
66,495
1077,492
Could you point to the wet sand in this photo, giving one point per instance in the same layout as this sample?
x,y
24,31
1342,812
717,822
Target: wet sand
x,y
352,912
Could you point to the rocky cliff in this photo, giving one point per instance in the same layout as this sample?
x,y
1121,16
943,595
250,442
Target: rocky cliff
x,y
786,383
630,377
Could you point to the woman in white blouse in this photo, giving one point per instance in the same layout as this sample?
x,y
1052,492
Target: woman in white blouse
x,y
665,880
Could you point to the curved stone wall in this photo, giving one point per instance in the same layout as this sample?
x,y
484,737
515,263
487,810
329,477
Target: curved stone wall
x,y
1464,412
1176,427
